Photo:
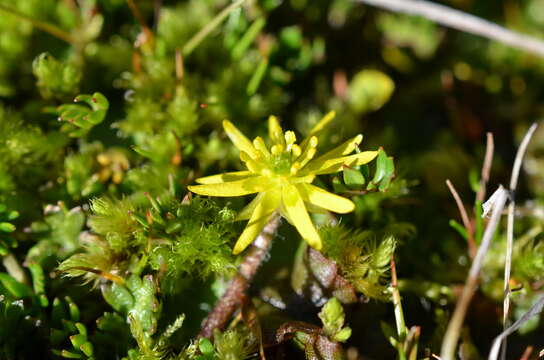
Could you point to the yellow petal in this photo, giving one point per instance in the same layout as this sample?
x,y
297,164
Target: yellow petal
x,y
239,140
234,188
229,176
245,213
264,209
344,149
324,199
326,120
275,132
293,205
319,167
259,144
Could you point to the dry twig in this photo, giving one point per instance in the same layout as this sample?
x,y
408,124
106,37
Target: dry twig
x,y
466,221
510,227
229,302
459,20
449,343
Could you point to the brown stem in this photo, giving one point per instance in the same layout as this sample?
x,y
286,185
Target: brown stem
x,y
227,304
466,220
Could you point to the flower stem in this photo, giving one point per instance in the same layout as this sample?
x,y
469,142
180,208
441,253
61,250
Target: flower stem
x,y
227,304
46,27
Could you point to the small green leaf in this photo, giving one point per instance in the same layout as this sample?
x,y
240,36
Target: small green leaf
x,y
332,316
353,178
87,348
205,346
118,296
72,307
459,228
343,335
70,355
369,90
17,289
78,340
81,329
7,227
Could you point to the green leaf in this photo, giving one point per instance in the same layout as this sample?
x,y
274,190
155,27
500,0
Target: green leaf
x,y
369,90
118,296
87,348
332,316
205,346
78,340
17,289
7,227
353,178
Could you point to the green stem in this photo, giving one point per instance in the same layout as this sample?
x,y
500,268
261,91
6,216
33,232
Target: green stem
x,y
46,27
399,314
205,31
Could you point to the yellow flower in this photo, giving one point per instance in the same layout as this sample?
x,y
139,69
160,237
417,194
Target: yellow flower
x,y
282,175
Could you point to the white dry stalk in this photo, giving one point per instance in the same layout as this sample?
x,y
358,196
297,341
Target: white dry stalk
x,y
533,311
510,227
451,337
461,21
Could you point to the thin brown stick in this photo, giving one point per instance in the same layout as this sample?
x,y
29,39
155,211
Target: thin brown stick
x,y
459,20
510,228
527,353
486,167
451,337
227,304
46,27
466,221
138,15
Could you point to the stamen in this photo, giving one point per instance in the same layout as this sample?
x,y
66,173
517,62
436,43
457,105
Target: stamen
x,y
308,152
277,149
290,138
275,131
295,168
295,151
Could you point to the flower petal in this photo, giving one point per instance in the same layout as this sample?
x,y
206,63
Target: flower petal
x,y
234,188
324,166
344,149
275,132
326,120
239,140
293,205
260,217
324,199
245,213
229,176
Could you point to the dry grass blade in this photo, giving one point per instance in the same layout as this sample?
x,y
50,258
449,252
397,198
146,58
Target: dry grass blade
x,y
451,337
533,311
510,227
459,20
486,168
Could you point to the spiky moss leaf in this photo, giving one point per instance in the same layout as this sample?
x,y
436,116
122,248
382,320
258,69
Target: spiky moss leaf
x,y
235,344
55,78
362,261
201,246
112,220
